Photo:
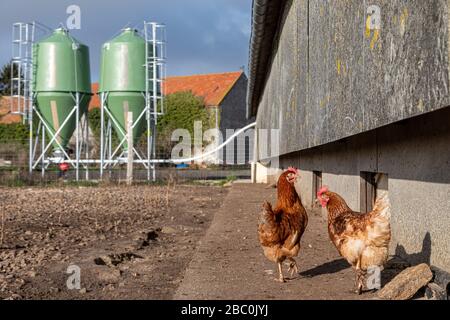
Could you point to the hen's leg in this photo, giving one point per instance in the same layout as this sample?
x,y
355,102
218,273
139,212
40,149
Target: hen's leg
x,y
280,273
356,281
360,277
293,268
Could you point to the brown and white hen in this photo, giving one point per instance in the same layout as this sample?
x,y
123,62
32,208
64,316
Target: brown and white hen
x,y
361,238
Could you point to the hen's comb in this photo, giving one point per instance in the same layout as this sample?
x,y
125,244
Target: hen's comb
x,y
322,191
293,170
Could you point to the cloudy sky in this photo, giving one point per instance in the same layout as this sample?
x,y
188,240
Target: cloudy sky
x,y
204,36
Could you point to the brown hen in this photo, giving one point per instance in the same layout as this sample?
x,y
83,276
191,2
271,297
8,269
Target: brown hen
x,y
281,228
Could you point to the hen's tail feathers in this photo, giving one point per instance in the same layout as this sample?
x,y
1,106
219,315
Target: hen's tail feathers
x,y
382,205
295,240
267,215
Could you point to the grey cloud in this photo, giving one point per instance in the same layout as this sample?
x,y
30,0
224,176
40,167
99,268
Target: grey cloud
x,y
203,35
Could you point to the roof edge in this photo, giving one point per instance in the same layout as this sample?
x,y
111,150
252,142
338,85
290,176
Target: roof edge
x,y
265,21
230,88
206,74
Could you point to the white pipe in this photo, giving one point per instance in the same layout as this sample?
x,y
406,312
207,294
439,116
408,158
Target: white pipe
x,y
204,155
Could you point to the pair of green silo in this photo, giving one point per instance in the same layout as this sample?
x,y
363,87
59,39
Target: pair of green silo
x,y
62,72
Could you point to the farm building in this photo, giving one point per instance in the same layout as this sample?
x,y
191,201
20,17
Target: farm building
x,y
224,95
356,90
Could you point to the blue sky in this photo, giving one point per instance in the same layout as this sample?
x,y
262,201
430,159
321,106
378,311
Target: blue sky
x,y
204,36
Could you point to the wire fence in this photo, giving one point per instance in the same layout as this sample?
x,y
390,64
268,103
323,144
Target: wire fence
x,y
14,154
233,162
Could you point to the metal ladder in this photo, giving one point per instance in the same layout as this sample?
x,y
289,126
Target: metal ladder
x,y
155,74
22,69
155,37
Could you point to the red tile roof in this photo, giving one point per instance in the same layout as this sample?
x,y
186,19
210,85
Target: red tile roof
x,y
5,116
212,87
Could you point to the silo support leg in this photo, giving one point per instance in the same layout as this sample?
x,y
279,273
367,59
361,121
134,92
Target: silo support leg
x,y
77,151
102,135
130,161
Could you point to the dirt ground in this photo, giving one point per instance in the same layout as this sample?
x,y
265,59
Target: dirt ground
x,y
135,243
129,243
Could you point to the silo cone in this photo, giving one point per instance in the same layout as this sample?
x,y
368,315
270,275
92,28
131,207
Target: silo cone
x,y
123,79
62,69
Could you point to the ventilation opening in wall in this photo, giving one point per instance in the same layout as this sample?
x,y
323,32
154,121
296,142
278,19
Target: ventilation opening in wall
x,y
368,188
448,291
317,184
371,184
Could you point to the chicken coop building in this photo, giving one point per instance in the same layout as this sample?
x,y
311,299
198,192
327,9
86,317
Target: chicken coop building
x,y
356,89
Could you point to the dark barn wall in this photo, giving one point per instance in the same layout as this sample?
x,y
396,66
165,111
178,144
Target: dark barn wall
x,y
232,115
233,107
331,77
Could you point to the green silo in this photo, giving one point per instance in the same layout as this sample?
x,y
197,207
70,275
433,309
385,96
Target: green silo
x,y
123,76
61,69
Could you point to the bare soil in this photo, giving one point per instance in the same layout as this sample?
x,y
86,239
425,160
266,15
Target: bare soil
x,y
129,243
